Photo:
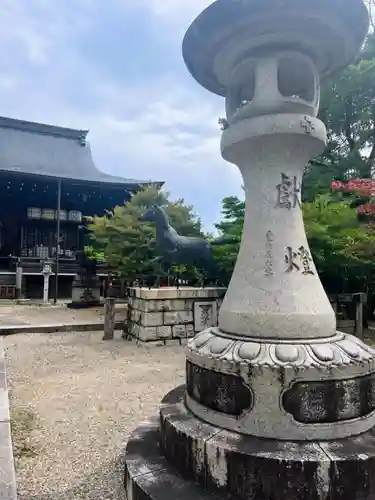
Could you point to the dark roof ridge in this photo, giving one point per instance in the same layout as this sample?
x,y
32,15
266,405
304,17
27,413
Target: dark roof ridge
x,y
42,128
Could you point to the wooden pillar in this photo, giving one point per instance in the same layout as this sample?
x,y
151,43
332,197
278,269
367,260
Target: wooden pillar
x,y
21,238
359,300
122,288
58,210
109,318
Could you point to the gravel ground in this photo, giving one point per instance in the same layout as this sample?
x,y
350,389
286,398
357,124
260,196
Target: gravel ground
x,y
75,400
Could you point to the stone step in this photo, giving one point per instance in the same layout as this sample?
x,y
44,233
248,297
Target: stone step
x,y
264,469
148,474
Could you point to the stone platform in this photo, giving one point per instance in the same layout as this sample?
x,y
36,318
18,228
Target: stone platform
x,y
148,475
171,313
167,459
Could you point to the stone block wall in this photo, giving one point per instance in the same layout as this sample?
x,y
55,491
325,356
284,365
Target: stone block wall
x,y
171,313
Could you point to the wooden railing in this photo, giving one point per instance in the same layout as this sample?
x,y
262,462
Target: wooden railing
x,y
348,308
66,266
34,266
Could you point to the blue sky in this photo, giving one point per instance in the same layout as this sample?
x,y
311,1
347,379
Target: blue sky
x,y
116,68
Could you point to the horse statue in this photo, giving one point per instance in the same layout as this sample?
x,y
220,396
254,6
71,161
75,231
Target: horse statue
x,y
175,249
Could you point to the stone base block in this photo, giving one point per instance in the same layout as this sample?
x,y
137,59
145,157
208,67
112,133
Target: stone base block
x,y
168,462
148,474
169,313
245,467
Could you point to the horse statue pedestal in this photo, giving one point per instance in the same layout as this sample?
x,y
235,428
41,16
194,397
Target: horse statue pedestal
x,y
170,313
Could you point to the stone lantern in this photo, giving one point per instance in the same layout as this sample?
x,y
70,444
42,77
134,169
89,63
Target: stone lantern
x,y
46,271
278,404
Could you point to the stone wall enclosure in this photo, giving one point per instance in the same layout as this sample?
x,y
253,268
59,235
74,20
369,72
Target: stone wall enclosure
x,y
171,313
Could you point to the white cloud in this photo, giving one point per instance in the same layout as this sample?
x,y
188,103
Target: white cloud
x,y
160,128
176,15
175,138
37,28
176,8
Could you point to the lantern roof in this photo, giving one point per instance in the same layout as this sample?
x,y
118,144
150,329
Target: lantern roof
x,y
329,32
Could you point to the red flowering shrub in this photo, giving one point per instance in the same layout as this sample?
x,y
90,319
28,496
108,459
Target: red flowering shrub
x,y
367,208
362,187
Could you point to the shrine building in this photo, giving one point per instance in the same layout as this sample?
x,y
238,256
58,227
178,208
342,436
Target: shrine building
x,y
48,183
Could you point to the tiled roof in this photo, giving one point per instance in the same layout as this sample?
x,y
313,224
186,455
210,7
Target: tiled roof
x,y
46,150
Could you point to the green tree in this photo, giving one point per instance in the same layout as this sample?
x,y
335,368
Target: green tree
x,y
233,213
348,110
343,249
129,244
